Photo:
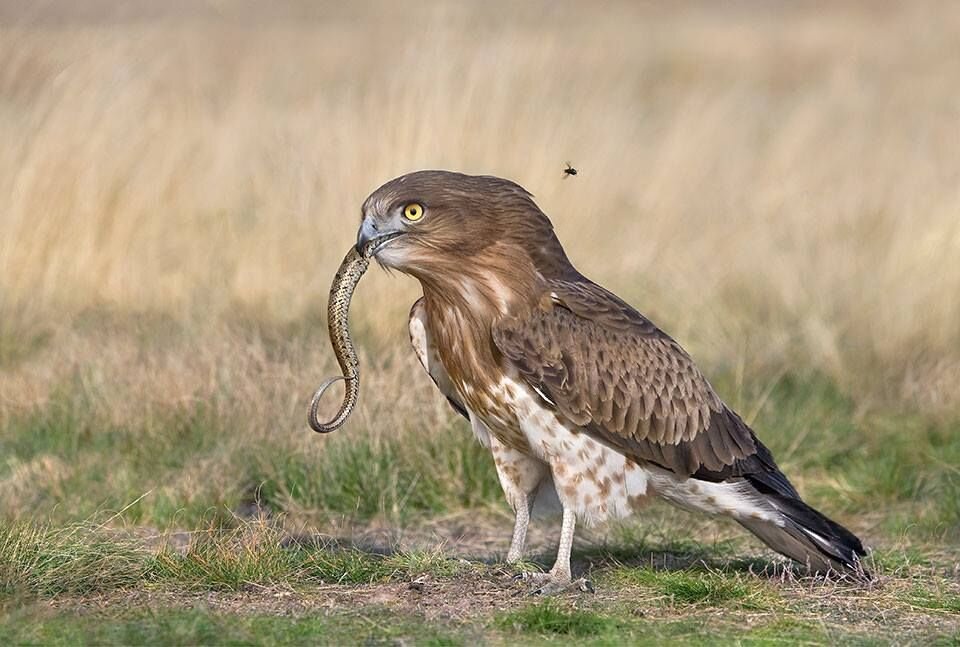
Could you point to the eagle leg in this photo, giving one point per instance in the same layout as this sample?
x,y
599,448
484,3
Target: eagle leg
x,y
520,525
520,477
561,568
559,578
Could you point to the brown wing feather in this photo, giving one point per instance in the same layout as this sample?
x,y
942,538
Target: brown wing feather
x,y
613,372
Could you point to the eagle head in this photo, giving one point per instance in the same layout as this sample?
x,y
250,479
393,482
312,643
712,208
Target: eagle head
x,y
439,224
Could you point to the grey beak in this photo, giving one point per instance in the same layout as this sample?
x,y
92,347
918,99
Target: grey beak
x,y
368,231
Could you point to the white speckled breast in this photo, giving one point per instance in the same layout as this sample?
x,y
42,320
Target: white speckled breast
x,y
596,481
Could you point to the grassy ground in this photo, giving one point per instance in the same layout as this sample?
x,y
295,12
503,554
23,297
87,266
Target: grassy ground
x,y
257,584
777,187
175,529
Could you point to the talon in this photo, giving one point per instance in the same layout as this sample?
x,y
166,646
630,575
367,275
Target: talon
x,y
551,588
547,584
530,576
585,585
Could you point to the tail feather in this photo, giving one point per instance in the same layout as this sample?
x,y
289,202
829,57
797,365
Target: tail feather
x,y
805,534
787,524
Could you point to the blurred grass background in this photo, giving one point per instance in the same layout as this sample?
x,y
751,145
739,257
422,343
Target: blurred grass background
x,y
777,185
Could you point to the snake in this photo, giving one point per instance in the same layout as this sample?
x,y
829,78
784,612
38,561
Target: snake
x,y
354,264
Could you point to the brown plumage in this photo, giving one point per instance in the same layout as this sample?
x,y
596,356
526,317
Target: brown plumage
x,y
616,375
567,384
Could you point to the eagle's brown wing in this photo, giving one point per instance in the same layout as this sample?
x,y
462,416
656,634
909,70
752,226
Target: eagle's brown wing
x,y
608,369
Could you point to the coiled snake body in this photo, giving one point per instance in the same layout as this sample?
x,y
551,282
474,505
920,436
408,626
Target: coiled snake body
x,y
354,264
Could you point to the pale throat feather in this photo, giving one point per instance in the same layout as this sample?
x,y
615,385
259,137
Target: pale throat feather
x,y
461,309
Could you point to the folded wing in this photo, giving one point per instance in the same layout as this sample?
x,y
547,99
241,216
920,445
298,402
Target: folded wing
x,y
611,371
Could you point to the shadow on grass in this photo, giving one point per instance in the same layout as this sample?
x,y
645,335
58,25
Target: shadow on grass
x,y
660,556
683,556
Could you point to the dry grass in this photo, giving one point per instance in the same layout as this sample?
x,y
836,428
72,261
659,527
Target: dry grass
x,y
771,185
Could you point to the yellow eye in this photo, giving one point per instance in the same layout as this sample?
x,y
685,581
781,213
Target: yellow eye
x,y
413,212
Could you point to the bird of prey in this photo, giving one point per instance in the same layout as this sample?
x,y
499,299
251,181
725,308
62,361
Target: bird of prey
x,y
573,391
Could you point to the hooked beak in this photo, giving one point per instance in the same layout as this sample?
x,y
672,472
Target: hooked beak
x,y
370,238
